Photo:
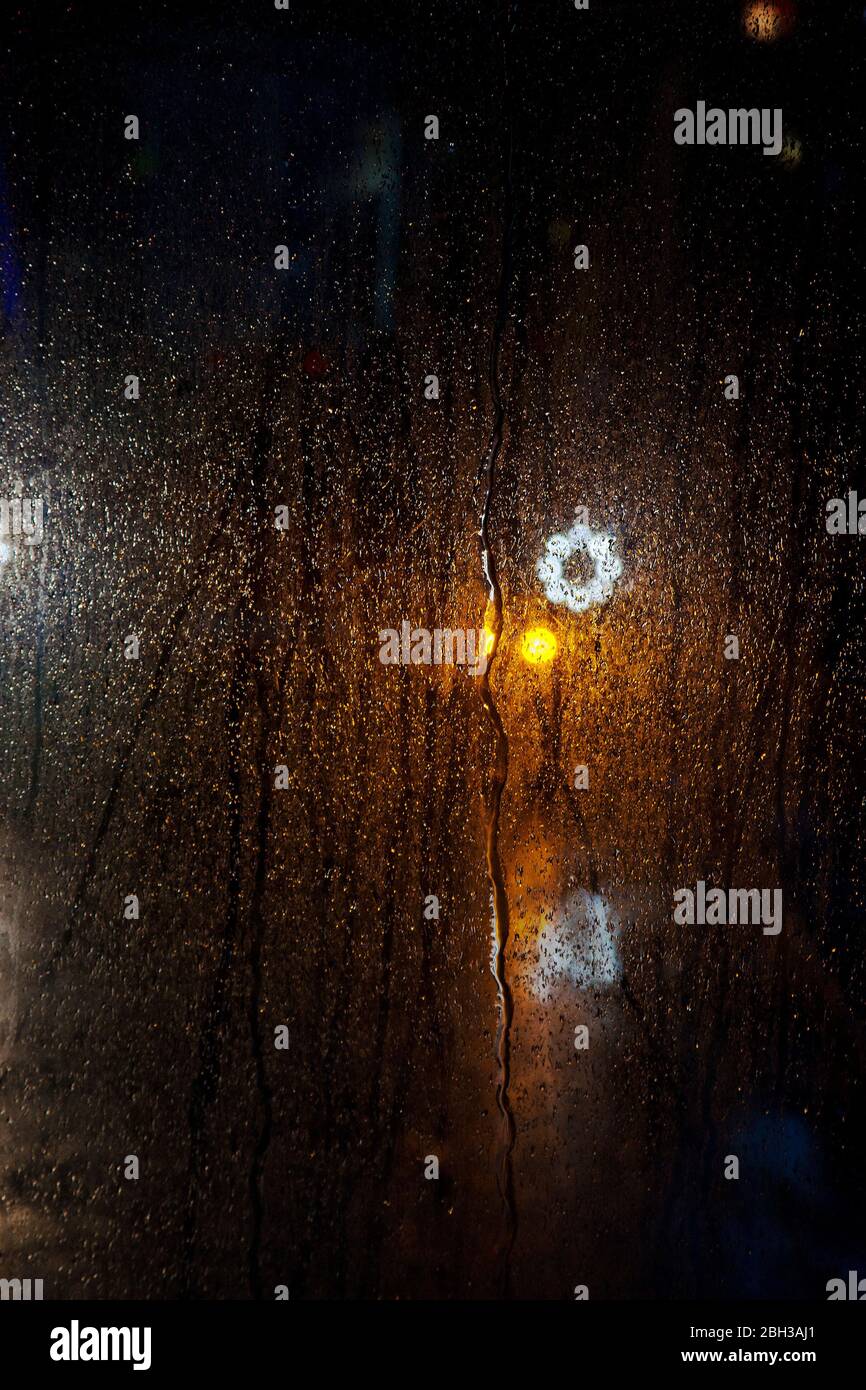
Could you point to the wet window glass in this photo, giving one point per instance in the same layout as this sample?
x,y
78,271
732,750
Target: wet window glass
x,y
431,577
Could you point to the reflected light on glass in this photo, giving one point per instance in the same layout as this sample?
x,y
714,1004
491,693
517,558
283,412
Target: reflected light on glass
x,y
600,549
768,20
579,948
538,646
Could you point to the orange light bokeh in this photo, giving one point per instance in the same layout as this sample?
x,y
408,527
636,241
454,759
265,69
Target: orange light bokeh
x,y
768,20
539,646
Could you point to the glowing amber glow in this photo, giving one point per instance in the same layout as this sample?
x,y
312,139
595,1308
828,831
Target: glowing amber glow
x,y
539,646
766,20
792,152
489,639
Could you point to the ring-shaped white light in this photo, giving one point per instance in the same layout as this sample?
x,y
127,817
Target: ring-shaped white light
x,y
600,547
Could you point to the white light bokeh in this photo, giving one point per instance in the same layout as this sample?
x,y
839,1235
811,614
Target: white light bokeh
x,y
600,547
579,947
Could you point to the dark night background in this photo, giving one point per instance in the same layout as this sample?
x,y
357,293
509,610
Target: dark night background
x,y
304,906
